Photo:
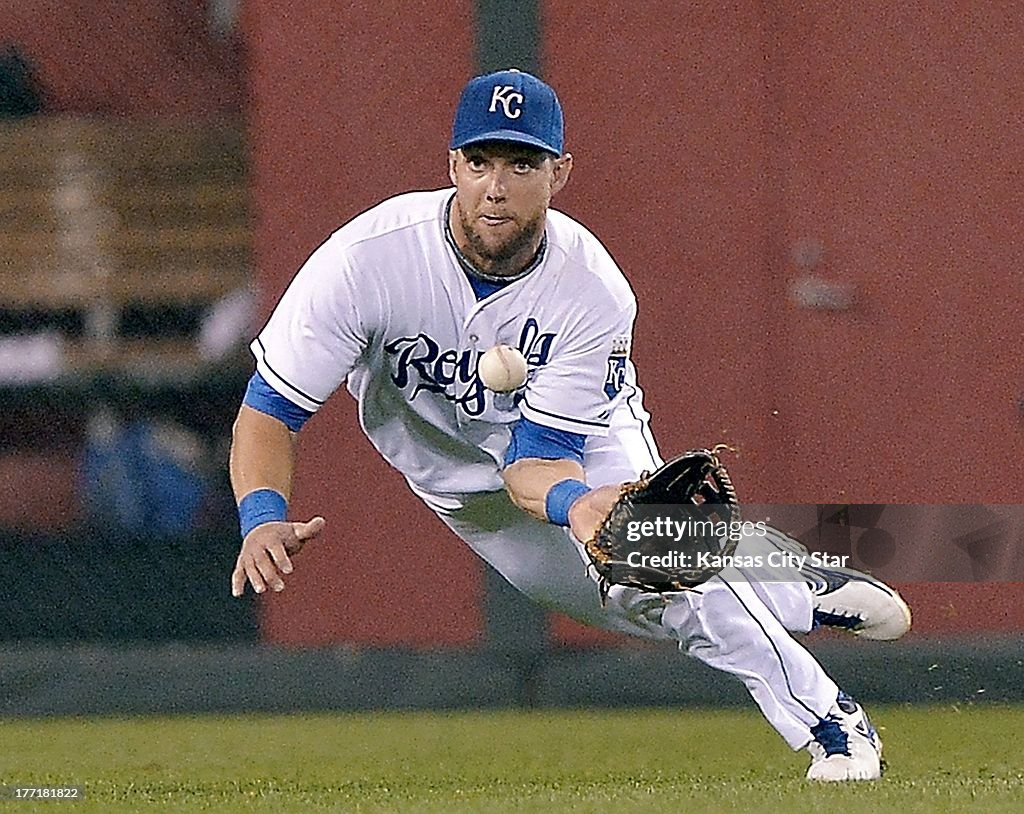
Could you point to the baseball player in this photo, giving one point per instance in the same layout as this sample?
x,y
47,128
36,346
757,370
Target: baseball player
x,y
400,304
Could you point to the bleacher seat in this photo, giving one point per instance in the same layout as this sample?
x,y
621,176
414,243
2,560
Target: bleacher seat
x,y
100,218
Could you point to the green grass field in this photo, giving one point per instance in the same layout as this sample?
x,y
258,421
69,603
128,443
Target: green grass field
x,y
941,759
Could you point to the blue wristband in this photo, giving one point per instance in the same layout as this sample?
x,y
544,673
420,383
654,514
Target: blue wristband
x,y
259,507
560,497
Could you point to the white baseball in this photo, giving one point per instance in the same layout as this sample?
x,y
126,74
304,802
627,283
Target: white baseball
x,y
502,369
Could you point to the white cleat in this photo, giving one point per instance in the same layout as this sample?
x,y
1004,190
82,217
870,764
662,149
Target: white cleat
x,y
836,768
846,746
854,601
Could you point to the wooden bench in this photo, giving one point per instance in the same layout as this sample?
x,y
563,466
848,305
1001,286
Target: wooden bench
x,y
101,216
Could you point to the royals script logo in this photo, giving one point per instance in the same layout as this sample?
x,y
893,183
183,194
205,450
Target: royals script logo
x,y
421,363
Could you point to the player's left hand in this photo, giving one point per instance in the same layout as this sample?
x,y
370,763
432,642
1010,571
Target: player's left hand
x,y
589,511
695,480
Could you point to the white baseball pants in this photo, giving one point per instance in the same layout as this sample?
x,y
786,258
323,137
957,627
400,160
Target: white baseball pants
x,y
738,622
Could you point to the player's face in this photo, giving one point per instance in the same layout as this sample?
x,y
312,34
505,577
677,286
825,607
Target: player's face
x,y
501,202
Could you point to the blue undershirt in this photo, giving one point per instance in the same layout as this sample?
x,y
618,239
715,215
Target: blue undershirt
x,y
484,288
532,440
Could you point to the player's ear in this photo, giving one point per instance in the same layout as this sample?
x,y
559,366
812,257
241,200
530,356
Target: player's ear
x,y
453,157
560,172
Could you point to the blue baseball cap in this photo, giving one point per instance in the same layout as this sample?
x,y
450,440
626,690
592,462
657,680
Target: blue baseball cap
x,y
509,106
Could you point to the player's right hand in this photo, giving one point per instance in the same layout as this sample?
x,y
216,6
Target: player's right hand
x,y
265,554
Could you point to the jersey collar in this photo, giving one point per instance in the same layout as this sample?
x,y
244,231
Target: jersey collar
x,y
471,269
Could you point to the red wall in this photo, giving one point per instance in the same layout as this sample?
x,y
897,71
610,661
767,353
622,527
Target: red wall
x,y
902,143
715,147
903,154
667,124
709,149
711,145
351,104
152,59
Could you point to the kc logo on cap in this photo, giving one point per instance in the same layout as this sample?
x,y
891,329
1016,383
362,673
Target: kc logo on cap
x,y
510,106
506,96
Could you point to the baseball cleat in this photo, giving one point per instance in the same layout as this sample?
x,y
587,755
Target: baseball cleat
x,y
852,600
846,746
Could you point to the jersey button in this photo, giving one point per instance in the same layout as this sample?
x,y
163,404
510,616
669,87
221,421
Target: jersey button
x,y
474,338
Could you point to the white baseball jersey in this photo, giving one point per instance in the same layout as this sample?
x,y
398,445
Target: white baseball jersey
x,y
385,305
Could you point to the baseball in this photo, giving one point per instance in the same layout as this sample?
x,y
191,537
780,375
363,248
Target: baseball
x,y
502,369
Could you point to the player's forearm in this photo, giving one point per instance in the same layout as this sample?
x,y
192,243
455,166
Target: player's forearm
x,y
529,480
262,454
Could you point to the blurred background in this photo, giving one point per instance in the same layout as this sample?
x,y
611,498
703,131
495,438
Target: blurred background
x,y
817,206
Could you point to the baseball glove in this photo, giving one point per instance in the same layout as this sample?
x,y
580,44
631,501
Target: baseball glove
x,y
687,500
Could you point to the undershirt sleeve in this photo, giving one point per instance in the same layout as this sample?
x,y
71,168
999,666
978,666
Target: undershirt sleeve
x,y
262,397
532,440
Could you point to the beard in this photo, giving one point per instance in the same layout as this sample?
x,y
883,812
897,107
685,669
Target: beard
x,y
497,253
